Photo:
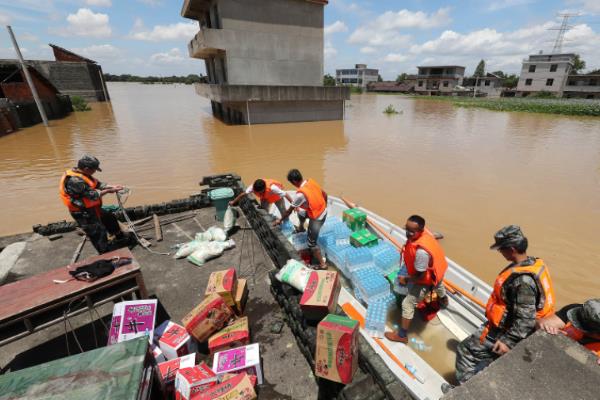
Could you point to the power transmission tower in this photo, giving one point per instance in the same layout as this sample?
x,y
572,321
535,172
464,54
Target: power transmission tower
x,y
562,30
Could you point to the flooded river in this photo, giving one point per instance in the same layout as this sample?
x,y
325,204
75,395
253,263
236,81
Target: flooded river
x,y
467,171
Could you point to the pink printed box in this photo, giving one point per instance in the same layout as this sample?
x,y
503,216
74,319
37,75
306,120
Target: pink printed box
x,y
167,371
175,341
193,380
241,359
132,319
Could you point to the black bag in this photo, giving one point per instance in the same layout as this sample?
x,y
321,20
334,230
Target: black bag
x,y
98,269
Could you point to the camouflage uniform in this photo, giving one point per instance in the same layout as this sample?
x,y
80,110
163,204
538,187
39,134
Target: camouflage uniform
x,y
520,293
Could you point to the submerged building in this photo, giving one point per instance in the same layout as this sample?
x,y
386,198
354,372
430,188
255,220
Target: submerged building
x,y
264,60
360,76
439,79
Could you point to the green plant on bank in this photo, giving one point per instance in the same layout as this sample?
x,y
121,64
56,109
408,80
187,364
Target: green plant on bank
x,y
547,106
543,95
356,90
390,110
79,104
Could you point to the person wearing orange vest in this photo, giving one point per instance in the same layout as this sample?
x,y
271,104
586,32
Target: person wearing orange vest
x,y
82,194
311,203
522,293
426,265
580,322
267,191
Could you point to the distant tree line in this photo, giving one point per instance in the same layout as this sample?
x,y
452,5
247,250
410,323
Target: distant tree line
x,y
188,80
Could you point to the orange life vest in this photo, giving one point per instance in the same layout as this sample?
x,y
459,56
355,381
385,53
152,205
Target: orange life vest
x,y
314,197
66,198
495,310
268,194
437,261
579,335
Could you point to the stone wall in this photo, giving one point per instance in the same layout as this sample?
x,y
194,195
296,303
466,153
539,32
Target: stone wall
x,y
73,78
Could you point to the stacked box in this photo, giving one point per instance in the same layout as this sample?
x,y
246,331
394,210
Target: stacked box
x,y
207,317
167,371
223,283
320,295
363,238
355,219
132,319
235,335
193,380
336,357
175,341
241,295
241,359
239,387
157,353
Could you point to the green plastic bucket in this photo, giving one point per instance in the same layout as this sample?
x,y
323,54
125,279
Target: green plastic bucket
x,y
220,198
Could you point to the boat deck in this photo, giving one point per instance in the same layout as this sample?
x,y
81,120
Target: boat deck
x,y
179,286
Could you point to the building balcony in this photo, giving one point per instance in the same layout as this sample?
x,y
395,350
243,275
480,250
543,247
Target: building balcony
x,y
194,9
243,93
206,43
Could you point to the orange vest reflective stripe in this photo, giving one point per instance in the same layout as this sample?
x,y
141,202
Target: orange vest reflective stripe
x,y
437,262
314,197
268,194
495,310
66,198
578,335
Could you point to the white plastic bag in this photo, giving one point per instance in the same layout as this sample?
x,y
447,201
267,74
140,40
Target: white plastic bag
x,y
187,249
206,252
214,233
229,219
294,273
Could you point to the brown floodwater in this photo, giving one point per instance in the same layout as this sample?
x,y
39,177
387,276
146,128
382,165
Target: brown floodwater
x,y
467,171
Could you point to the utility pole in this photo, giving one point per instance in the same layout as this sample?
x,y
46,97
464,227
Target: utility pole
x,y
475,88
34,92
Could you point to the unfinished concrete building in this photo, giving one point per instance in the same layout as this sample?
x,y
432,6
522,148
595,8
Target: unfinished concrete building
x,y
264,60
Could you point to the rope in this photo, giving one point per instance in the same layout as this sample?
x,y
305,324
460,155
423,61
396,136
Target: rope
x,y
131,226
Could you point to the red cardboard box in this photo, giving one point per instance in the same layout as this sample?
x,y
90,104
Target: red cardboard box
x,y
207,317
175,341
167,371
223,283
321,294
241,295
157,353
235,334
239,387
336,357
193,380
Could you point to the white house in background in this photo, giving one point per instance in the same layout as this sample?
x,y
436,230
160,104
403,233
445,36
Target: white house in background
x,y
545,72
359,76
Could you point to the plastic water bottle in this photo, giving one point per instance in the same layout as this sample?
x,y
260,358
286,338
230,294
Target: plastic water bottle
x,y
416,373
419,345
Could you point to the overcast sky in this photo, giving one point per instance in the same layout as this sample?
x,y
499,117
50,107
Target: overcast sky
x,y
148,37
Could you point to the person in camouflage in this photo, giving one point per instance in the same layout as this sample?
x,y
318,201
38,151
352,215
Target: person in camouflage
x,y
520,293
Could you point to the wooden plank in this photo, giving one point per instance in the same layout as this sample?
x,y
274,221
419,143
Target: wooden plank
x,y
77,252
29,294
158,235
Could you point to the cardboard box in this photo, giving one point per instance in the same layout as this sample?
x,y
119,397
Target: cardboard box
x,y
363,238
235,334
226,377
132,319
336,357
157,353
223,283
241,359
355,219
241,295
193,380
239,387
167,371
320,295
176,342
207,317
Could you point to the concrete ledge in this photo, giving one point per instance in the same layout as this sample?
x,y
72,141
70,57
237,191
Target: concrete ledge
x,y
237,93
541,367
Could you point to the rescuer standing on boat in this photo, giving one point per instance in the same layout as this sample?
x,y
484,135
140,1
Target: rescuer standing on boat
x,y
311,201
426,265
268,191
522,292
82,194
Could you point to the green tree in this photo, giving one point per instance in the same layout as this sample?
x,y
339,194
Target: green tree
x,y
328,80
379,78
510,81
594,72
402,77
499,74
578,64
480,70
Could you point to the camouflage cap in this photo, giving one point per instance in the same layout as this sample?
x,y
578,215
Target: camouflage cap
x,y
88,161
508,236
586,317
